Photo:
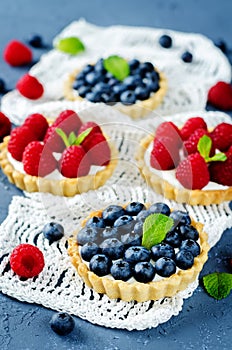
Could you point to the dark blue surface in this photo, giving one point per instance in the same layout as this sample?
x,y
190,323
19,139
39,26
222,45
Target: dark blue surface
x,y
204,323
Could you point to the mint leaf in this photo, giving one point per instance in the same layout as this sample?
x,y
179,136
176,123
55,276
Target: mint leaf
x,y
117,66
71,45
72,138
218,285
63,136
155,228
218,157
82,136
204,146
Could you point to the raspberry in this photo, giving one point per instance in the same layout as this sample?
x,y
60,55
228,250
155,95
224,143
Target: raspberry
x,y
97,149
5,126
191,125
53,140
220,172
17,53
222,136
26,260
95,128
68,121
38,124
38,160
169,129
19,139
30,87
190,145
74,162
193,172
165,154
220,96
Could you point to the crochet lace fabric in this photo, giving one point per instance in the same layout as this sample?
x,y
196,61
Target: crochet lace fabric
x,y
58,286
188,83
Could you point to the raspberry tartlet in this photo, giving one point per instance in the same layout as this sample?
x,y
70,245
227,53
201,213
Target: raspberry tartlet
x,y
135,88
192,164
139,252
65,158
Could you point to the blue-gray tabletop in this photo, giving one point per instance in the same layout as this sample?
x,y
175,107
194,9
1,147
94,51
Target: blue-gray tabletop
x,y
204,323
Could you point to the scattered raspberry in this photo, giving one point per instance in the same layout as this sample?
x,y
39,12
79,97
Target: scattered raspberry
x,y
5,126
220,96
38,160
27,260
74,162
190,145
164,155
193,172
97,149
19,139
68,121
191,125
95,128
169,129
38,124
17,53
221,172
53,140
30,87
222,136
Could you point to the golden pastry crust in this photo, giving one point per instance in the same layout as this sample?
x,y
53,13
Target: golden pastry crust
x,y
167,287
65,187
136,111
180,195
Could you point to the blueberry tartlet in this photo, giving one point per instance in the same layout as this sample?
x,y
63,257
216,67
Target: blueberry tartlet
x,y
135,89
139,252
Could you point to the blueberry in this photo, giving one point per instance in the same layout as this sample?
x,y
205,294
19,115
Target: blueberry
x,y
138,228
142,93
184,259
83,90
53,231
143,215
99,66
109,98
88,250
180,217
112,82
221,44
132,81
93,96
93,78
165,41
119,88
144,272
152,76
62,323
160,208
101,87
187,57
124,224
110,232
191,246
121,270
153,86
123,220
188,232
80,76
112,213
88,234
165,267
95,221
100,264
87,69
128,97
173,238
77,84
148,66
162,250
134,208
133,64
36,41
113,248
2,86
131,239
136,254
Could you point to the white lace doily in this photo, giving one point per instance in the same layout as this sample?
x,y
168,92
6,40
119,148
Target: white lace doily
x,y
188,83
58,286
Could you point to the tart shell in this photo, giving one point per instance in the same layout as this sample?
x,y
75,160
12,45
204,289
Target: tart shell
x,y
65,187
180,195
137,110
167,287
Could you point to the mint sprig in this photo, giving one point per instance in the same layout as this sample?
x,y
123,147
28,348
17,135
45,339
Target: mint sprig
x,y
204,147
155,228
71,45
72,139
117,66
218,285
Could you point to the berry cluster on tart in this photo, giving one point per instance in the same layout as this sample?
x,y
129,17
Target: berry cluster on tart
x,y
139,252
65,158
135,91
192,164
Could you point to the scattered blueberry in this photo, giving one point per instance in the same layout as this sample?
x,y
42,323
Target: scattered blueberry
x,y
187,57
165,267
144,272
62,323
162,250
95,221
88,250
100,264
180,217
113,248
2,86
36,41
121,270
112,213
87,234
191,246
188,232
160,208
134,208
136,254
173,238
184,259
165,41
221,44
53,231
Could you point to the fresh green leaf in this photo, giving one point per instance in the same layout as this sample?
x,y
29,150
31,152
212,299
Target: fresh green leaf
x,y
155,228
82,136
63,136
218,285
218,157
204,146
71,45
117,66
72,138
